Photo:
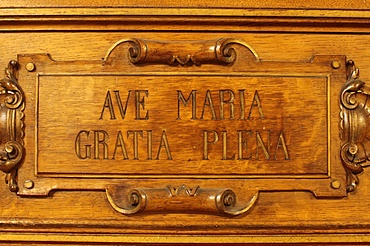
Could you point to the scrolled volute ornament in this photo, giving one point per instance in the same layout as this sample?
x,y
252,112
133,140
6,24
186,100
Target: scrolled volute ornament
x,y
11,125
224,50
137,51
355,126
226,53
134,202
226,203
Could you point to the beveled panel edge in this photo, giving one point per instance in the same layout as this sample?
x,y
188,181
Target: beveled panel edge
x,y
153,176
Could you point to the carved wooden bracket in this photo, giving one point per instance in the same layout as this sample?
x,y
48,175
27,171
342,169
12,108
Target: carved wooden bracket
x,y
355,125
179,200
11,133
155,52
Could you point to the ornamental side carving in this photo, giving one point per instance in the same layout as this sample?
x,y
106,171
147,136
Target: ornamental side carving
x,y
11,125
355,126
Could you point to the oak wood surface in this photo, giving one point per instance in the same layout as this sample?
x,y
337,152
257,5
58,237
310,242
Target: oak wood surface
x,y
311,4
85,216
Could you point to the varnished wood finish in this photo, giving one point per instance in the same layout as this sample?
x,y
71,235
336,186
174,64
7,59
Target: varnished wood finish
x,y
295,60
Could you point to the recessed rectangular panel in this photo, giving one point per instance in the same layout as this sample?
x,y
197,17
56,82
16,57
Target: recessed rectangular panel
x,y
187,124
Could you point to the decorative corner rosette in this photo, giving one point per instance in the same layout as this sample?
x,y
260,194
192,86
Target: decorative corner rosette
x,y
355,126
11,125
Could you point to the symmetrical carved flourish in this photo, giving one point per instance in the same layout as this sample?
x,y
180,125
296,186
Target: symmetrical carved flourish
x,y
355,125
189,53
11,125
173,199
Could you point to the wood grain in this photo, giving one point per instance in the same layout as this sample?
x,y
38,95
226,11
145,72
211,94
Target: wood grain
x,y
77,209
210,4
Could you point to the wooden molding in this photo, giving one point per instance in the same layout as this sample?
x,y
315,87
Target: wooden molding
x,y
289,20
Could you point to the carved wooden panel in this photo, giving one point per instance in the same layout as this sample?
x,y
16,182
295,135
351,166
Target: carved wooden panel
x,y
174,134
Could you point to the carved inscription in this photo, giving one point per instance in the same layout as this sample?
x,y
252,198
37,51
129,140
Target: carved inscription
x,y
139,103
89,144
208,105
181,128
92,144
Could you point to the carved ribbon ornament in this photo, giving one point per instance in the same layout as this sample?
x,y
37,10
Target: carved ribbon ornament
x,y
355,125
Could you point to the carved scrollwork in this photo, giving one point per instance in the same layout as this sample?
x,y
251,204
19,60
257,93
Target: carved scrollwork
x,y
188,53
226,53
10,88
180,200
134,203
11,131
226,203
136,53
355,125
